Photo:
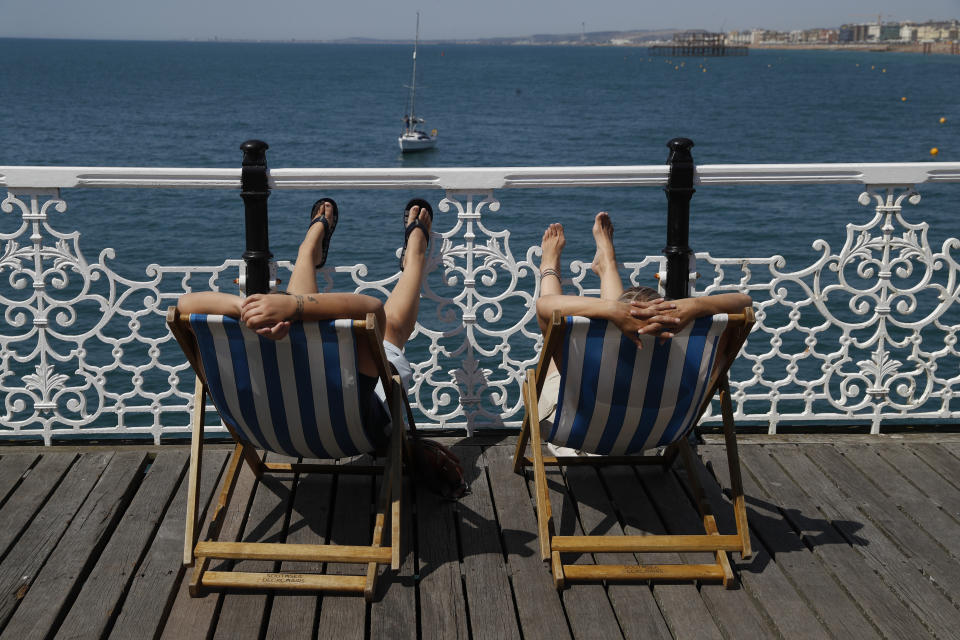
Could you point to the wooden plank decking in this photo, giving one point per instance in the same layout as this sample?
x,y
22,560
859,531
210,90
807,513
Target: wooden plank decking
x,y
855,537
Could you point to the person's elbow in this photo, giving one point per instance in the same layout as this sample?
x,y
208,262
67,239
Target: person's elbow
x,y
546,306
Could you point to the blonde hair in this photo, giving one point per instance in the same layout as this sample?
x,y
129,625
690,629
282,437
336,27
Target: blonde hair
x,y
640,294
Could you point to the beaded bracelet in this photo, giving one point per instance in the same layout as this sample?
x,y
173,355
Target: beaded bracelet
x,y
298,314
550,272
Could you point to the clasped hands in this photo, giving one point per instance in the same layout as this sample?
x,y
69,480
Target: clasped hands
x,y
269,314
658,317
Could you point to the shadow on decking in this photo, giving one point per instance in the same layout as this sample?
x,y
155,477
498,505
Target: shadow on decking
x,y
847,536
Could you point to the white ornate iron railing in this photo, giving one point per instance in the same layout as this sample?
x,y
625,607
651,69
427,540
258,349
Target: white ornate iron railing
x,y
866,334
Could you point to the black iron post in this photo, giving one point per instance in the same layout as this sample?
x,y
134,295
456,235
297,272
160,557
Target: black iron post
x,y
255,190
679,190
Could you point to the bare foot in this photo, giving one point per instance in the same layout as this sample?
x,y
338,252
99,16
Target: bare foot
x,y
605,258
551,247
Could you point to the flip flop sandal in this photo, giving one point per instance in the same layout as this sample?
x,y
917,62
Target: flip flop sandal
x,y
416,224
329,227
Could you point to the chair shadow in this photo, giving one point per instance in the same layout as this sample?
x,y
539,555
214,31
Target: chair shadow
x,y
462,517
644,517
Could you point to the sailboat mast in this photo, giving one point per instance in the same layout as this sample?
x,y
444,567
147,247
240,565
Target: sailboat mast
x,y
413,81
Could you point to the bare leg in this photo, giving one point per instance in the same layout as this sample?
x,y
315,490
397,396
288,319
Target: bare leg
x,y
605,260
403,303
551,246
304,277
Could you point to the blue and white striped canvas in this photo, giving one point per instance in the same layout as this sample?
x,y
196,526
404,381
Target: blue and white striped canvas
x,y
297,396
615,399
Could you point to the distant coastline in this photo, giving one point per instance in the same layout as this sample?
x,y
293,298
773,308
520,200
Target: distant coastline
x,y
898,47
559,41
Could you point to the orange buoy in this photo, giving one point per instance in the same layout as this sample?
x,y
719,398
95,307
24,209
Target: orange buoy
x,y
942,120
934,151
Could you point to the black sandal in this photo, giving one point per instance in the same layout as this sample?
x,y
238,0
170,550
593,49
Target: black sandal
x,y
327,225
415,224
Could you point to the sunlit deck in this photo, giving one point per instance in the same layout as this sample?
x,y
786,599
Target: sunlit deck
x,y
853,538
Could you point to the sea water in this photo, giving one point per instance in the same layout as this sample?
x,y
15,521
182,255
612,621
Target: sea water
x,y
191,104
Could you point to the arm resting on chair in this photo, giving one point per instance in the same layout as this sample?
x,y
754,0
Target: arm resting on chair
x,y
268,310
631,318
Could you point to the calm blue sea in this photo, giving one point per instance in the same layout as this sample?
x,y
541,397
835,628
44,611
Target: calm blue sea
x,y
191,105
178,104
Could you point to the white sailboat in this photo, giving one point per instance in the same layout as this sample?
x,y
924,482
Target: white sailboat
x,y
413,137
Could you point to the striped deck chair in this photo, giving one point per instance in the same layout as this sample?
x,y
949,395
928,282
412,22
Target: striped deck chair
x,y
616,402
297,397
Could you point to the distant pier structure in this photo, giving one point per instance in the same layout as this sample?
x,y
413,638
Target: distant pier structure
x,y
698,43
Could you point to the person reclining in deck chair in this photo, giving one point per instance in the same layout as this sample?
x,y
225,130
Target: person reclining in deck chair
x,y
636,311
271,314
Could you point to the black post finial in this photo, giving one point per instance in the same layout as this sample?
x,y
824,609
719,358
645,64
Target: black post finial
x,y
255,189
679,190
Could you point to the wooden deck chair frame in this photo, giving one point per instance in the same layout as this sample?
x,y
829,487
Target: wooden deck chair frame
x,y
551,545
197,553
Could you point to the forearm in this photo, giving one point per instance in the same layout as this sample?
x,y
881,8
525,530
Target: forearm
x,y
721,303
575,306
211,302
325,306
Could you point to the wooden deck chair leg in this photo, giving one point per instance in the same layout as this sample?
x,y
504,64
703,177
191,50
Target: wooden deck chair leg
x,y
399,446
709,521
193,480
733,461
390,494
521,449
544,515
378,527
226,491
216,519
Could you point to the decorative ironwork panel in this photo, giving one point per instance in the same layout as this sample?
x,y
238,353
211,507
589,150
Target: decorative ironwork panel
x,y
867,333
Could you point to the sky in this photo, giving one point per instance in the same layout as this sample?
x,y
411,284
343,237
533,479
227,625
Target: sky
x,y
440,19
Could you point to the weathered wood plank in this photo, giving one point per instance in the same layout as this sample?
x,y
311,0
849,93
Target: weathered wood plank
x,y
343,616
155,581
194,617
789,598
680,604
933,480
12,468
768,481
242,612
879,553
919,547
835,609
22,564
589,611
940,458
895,481
538,604
393,612
75,554
294,615
31,495
104,588
634,605
489,595
734,610
443,613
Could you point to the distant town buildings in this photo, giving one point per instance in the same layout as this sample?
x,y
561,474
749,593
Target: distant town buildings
x,y
861,33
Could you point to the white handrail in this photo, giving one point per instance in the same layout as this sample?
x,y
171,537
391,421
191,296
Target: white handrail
x,y
477,179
